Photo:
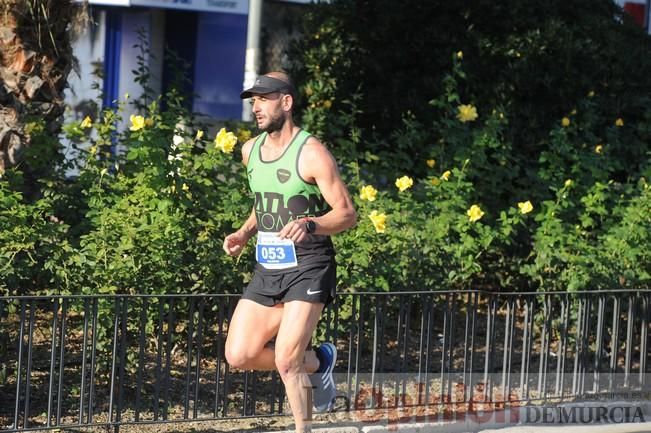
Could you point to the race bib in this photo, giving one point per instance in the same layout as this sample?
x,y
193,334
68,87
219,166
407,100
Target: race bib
x,y
275,253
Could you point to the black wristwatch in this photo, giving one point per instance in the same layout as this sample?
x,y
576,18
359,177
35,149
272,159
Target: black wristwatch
x,y
310,226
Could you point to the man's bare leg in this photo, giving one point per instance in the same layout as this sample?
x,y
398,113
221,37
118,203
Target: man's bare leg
x,y
251,328
249,331
293,363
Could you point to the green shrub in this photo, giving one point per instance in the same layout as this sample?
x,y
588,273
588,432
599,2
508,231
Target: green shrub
x,y
451,199
533,62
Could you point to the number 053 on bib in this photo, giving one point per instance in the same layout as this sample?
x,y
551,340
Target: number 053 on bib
x,y
275,253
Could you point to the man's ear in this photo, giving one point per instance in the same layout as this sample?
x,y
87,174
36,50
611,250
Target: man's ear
x,y
288,102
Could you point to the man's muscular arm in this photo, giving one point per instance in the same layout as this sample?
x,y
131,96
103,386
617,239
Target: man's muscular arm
x,y
316,164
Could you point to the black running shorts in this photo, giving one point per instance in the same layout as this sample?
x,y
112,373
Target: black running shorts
x,y
312,283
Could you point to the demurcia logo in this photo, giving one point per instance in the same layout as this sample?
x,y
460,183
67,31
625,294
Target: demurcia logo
x,y
283,175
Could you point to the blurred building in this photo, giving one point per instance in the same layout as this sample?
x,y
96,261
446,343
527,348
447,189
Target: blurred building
x,y
639,10
209,35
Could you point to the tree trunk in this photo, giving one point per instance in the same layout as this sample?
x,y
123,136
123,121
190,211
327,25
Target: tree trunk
x,y
35,60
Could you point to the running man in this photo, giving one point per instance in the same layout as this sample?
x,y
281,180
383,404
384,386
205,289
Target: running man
x,y
299,201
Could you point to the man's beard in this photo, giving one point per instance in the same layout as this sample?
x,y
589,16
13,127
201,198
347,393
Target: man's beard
x,y
275,124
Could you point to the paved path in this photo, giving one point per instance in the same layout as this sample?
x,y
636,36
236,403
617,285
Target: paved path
x,y
465,428
459,428
617,428
571,417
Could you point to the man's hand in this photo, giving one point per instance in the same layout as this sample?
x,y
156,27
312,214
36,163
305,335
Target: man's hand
x,y
295,231
234,243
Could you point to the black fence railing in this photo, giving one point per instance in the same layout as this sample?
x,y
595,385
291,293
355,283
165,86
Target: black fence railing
x,y
112,360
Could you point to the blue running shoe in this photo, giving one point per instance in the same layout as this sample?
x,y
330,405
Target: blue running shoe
x,y
323,384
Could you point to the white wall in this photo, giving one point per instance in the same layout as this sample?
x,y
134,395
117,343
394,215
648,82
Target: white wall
x,y
89,47
89,50
81,98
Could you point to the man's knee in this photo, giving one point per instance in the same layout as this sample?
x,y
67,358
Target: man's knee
x,y
238,357
288,362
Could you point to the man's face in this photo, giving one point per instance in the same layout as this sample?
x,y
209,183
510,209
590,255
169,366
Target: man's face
x,y
269,111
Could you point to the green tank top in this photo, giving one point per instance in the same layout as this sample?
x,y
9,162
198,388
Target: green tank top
x,y
281,195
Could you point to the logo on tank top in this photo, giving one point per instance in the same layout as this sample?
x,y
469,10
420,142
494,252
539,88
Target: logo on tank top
x,y
274,210
283,175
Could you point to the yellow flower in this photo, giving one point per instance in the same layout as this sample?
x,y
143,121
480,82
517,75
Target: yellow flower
x,y
591,94
368,193
185,187
475,213
446,175
225,141
327,103
87,122
199,135
379,221
459,55
598,148
619,122
403,183
434,181
137,122
467,113
431,162
525,207
568,182
565,122
243,135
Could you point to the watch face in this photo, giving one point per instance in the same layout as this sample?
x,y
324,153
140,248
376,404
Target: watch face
x,y
310,226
